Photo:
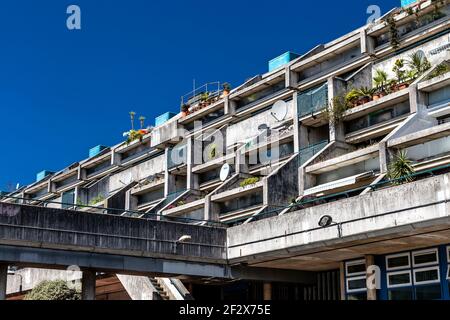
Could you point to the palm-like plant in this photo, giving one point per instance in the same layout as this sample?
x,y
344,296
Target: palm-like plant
x,y
418,63
398,70
365,92
401,169
142,121
380,80
132,115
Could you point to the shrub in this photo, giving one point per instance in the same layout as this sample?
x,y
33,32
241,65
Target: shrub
x,y
249,181
53,290
401,169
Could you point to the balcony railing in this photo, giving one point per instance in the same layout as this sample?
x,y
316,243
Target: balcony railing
x,y
307,153
313,101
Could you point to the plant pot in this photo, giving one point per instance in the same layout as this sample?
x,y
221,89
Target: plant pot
x,y
376,96
363,100
184,114
402,86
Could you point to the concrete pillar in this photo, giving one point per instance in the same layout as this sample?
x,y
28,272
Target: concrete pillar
x,y
3,280
192,179
342,280
241,163
296,123
413,98
88,285
371,293
267,289
384,159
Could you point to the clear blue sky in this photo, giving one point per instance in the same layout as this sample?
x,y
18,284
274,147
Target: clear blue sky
x,y
62,92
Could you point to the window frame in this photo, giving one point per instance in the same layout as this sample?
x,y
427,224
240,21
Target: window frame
x,y
396,256
416,253
430,281
352,263
448,254
393,286
355,290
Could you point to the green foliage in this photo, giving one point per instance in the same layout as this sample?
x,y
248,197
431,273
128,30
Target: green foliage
x,y
398,70
440,70
336,110
393,32
401,169
418,64
134,135
249,181
96,200
226,86
53,290
380,80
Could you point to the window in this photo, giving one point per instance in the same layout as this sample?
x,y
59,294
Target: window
x,y
425,258
355,268
356,284
426,276
398,261
399,278
417,275
401,294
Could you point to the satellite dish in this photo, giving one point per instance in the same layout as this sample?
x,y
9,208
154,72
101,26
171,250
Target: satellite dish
x,y
279,110
225,172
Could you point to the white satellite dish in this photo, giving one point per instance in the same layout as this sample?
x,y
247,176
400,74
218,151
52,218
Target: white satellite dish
x,y
225,172
279,110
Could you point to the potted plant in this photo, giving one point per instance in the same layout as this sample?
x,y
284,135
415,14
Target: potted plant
x,y
380,80
401,169
204,99
418,63
352,97
226,89
184,110
400,74
365,95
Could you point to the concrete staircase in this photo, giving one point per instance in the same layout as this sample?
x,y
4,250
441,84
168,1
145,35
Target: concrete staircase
x,y
161,292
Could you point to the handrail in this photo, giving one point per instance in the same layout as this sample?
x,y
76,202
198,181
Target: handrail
x,y
344,193
73,207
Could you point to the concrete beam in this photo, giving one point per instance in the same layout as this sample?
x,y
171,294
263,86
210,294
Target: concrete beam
x,y
272,275
61,259
88,285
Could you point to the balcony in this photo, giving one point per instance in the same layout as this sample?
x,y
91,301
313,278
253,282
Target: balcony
x,y
377,124
311,105
308,152
177,157
190,205
409,24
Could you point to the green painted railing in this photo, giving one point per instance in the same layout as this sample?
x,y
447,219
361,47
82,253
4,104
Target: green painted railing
x,y
312,101
307,153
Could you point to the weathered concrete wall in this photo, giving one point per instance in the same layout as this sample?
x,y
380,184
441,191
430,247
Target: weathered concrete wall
x,y
248,128
26,279
53,228
362,216
282,185
138,287
427,48
136,173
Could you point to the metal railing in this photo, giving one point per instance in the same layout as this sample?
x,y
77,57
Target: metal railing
x,y
116,211
312,101
212,88
310,202
307,153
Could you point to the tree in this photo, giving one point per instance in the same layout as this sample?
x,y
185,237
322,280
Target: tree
x,y
53,290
